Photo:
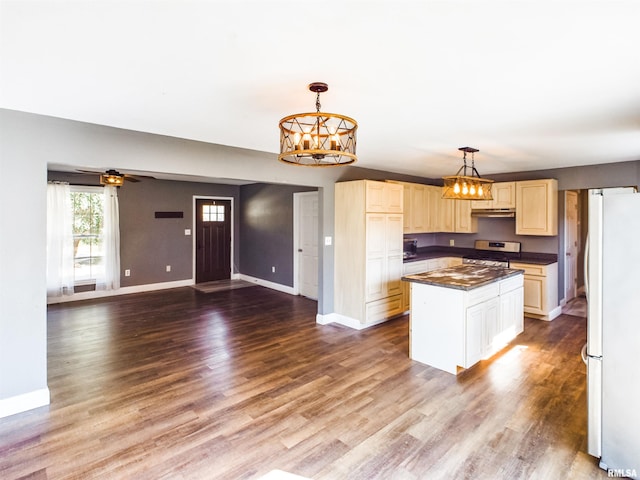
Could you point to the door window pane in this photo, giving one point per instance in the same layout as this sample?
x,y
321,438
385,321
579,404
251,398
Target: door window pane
x,y
213,213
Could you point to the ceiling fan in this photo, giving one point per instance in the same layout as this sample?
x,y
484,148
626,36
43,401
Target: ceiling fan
x,y
115,178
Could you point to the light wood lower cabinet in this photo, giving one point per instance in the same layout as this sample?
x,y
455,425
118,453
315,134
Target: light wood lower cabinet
x,y
540,290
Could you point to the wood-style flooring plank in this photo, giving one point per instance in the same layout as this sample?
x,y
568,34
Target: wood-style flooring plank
x,y
180,384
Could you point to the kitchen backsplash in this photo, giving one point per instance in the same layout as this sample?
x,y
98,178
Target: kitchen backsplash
x,y
490,229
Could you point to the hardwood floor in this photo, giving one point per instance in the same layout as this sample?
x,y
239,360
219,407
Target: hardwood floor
x,y
179,384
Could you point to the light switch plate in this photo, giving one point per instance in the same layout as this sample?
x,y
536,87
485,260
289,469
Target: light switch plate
x,y
187,231
327,240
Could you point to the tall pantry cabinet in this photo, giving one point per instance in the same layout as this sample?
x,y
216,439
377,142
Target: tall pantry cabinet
x,y
368,252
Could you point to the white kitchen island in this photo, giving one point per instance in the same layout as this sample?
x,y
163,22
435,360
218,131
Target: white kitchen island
x,y
461,315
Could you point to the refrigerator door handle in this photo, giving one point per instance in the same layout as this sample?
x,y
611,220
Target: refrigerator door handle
x,y
583,354
586,268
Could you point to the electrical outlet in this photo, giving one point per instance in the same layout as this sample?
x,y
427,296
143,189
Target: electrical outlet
x,y
327,241
273,269
187,231
452,242
127,273
168,268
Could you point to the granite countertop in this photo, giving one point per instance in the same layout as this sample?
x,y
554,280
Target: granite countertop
x,y
426,253
463,277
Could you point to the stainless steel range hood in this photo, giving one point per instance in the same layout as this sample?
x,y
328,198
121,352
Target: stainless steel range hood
x,y
494,212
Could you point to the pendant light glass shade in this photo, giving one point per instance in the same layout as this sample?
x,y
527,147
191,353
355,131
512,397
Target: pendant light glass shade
x,y
318,139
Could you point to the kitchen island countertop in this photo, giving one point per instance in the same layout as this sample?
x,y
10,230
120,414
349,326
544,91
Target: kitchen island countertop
x,y
463,277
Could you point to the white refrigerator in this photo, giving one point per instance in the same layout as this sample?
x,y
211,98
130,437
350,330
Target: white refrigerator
x,y
612,352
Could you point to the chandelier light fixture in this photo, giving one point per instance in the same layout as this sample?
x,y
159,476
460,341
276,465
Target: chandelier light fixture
x,y
318,139
467,183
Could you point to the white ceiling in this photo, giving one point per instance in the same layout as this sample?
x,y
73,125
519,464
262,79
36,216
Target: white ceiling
x,y
533,85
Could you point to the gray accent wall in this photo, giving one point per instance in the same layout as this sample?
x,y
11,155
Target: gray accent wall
x,y
149,244
266,231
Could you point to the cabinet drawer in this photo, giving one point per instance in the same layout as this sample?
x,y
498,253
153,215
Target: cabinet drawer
x,y
481,294
384,308
530,269
415,267
511,284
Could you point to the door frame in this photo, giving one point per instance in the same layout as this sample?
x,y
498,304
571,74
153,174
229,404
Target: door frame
x,y
568,282
296,237
233,275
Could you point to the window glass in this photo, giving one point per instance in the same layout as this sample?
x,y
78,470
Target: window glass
x,y
88,245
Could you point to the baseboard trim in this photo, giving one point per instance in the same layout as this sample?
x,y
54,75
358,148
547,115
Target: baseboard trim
x,y
348,321
150,287
266,283
553,314
26,401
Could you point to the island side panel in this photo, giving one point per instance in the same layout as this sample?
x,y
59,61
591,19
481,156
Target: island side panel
x,y
436,326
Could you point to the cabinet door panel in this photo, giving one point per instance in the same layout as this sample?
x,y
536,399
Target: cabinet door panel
x,y
376,281
394,195
474,334
393,235
394,274
375,197
534,289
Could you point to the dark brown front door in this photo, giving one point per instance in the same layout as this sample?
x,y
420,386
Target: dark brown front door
x,y
213,241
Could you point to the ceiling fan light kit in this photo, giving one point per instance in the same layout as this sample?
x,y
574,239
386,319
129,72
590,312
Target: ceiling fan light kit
x,y
467,184
318,139
112,177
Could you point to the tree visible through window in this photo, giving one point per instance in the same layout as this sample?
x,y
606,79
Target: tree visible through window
x,y
88,244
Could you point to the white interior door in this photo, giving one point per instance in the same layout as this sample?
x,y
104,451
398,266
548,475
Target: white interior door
x,y
307,244
571,245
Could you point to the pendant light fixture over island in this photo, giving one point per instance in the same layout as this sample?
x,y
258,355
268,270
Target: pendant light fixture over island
x,y
467,184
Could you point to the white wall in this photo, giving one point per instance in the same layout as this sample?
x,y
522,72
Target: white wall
x,y
23,328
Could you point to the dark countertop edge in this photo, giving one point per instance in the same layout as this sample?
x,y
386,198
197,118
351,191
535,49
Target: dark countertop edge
x,y
427,253
509,272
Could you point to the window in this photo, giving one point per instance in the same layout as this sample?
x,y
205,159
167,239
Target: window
x,y
213,213
88,243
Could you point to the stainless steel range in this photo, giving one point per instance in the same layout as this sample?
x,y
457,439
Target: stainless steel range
x,y
491,253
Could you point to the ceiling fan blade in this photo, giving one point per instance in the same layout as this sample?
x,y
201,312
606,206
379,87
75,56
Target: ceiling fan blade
x,y
131,178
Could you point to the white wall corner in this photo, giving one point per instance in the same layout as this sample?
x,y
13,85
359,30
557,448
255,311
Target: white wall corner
x,y
26,401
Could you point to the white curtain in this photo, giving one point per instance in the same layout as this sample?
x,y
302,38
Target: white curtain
x,y
59,240
111,239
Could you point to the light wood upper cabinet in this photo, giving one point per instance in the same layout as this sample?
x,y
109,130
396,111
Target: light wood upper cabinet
x,y
455,216
537,207
464,222
446,215
415,208
425,211
504,196
433,196
383,197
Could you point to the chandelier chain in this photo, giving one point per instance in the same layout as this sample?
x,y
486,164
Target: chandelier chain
x,y
318,102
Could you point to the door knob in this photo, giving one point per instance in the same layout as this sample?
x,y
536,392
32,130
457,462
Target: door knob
x,y
299,249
